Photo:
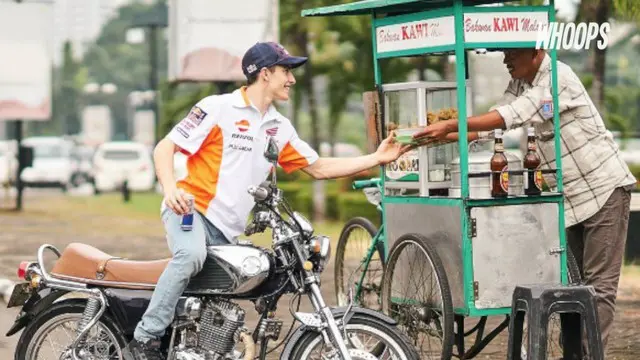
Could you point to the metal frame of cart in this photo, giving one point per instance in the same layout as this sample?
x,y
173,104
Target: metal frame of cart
x,y
486,245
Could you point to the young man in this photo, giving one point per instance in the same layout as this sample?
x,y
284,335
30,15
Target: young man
x,y
224,137
597,181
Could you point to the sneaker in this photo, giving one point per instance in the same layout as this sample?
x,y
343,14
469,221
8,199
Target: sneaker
x,y
138,350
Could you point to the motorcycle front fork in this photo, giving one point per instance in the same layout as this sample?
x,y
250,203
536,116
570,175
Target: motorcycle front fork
x,y
331,334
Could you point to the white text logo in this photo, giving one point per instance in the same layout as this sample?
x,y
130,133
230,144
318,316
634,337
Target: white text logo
x,y
569,36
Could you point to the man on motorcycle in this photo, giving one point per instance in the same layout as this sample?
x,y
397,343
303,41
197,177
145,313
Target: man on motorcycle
x,y
223,136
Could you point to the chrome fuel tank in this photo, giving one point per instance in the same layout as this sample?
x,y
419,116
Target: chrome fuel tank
x,y
231,269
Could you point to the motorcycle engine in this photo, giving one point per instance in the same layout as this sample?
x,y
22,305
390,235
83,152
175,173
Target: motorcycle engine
x,y
219,325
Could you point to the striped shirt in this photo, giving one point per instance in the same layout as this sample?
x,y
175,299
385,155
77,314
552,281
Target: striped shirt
x,y
592,167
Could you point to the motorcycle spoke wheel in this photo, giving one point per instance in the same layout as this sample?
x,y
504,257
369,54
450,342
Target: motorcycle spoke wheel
x,y
53,338
364,342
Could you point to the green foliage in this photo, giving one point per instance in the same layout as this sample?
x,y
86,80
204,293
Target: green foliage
x,y
112,60
355,204
635,170
177,100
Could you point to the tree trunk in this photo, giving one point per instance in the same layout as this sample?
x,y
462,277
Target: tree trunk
x,y
302,40
602,12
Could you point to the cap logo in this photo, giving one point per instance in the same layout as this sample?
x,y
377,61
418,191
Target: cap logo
x,y
281,50
252,68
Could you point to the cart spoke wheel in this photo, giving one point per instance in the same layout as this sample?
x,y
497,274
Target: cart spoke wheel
x,y
416,294
351,263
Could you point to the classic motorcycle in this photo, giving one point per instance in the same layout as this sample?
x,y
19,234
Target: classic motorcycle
x,y
207,325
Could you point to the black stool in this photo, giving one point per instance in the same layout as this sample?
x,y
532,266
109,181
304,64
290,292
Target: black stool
x,y
577,308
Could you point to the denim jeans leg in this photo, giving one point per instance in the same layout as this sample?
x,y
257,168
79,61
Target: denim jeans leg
x,y
189,253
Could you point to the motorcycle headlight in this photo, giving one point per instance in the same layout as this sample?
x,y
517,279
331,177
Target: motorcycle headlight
x,y
320,246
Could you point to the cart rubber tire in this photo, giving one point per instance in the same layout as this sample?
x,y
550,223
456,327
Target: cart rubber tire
x,y
573,271
436,264
350,226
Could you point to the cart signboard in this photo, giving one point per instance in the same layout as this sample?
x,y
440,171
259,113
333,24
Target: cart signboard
x,y
504,26
417,34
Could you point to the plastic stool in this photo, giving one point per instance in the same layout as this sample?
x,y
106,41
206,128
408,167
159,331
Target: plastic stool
x,y
576,306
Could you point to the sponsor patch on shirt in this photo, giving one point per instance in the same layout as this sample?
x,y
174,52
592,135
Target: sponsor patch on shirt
x,y
196,115
546,106
183,132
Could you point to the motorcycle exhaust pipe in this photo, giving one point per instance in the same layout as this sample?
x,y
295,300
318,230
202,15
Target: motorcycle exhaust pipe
x,y
249,346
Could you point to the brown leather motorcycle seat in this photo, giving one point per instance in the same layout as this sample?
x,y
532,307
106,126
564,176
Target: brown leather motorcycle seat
x,y
87,264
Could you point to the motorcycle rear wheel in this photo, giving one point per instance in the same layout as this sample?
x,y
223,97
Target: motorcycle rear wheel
x,y
311,345
104,341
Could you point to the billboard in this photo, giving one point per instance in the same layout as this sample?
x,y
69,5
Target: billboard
x,y
207,38
96,127
26,45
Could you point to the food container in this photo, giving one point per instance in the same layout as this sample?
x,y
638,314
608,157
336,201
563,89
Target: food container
x,y
480,187
405,136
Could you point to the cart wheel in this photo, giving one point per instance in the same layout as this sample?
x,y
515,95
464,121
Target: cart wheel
x,y
554,342
416,293
351,262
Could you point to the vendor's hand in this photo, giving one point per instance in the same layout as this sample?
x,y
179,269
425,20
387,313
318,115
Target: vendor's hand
x,y
389,150
175,200
437,131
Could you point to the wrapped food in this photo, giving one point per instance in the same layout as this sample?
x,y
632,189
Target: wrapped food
x,y
448,113
432,118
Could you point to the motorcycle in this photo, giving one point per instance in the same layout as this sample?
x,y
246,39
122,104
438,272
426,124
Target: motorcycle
x,y
208,324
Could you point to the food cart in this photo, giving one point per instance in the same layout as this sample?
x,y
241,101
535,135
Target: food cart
x,y
436,200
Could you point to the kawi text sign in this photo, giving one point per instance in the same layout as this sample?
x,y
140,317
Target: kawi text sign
x,y
415,34
504,26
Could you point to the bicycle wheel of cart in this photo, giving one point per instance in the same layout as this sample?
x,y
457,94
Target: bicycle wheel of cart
x,y
416,293
353,263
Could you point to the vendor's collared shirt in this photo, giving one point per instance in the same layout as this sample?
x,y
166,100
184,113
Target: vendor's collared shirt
x,y
224,137
592,167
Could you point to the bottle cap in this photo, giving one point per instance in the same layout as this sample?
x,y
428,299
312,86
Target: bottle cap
x,y
497,133
531,132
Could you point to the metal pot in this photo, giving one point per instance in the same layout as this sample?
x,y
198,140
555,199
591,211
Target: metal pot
x,y
480,187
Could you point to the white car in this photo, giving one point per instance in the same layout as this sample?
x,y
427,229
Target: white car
x,y
8,162
117,161
52,163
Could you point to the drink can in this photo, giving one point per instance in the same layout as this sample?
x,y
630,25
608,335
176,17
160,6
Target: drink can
x,y
186,223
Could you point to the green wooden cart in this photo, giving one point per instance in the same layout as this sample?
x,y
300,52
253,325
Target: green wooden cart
x,y
452,252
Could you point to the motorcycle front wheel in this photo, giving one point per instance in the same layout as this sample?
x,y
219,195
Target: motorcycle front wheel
x,y
52,331
368,338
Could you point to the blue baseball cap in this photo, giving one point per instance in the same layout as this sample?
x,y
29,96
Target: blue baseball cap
x,y
267,54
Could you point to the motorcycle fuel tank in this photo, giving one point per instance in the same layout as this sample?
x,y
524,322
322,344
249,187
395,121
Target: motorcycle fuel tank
x,y
231,269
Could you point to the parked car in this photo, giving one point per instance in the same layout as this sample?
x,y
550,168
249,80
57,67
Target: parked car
x,y
52,163
83,157
8,162
117,161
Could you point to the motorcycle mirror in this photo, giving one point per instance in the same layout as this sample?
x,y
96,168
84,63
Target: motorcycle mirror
x,y
271,150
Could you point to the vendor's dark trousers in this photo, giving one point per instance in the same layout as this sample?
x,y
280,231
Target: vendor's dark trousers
x,y
598,245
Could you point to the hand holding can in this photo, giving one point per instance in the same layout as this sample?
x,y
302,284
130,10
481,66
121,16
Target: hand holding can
x,y
186,223
176,200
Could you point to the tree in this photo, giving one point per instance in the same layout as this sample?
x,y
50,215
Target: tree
x,y
110,59
67,83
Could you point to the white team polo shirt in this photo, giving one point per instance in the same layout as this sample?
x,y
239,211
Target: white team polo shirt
x,y
224,138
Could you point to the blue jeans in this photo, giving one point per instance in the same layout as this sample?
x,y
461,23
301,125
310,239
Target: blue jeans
x,y
189,249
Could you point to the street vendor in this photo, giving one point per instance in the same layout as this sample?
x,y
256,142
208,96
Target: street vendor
x,y
597,182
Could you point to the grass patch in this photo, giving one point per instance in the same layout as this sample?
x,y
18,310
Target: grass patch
x,y
144,205
92,213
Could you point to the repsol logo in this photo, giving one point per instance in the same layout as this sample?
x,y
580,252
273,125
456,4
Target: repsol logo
x,y
242,137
